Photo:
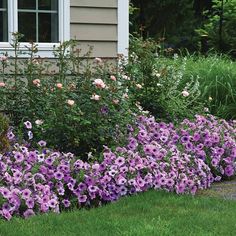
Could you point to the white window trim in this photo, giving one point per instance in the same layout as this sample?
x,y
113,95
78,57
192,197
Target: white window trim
x,y
123,27
45,49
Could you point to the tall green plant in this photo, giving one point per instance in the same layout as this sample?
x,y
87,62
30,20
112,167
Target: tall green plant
x,y
220,26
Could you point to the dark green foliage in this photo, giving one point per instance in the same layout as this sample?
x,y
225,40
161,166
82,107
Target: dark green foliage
x,y
4,126
173,20
158,85
198,25
61,104
220,26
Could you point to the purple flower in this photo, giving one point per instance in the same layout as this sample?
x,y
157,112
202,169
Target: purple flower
x,y
93,189
26,193
66,203
82,198
104,110
10,135
30,203
229,170
30,135
28,125
120,161
19,157
28,213
180,188
58,175
82,187
6,214
42,143
52,203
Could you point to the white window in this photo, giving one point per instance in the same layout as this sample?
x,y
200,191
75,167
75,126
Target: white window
x,y
45,22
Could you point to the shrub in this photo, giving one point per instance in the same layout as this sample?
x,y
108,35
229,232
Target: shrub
x,y
78,105
164,80
158,86
4,127
219,26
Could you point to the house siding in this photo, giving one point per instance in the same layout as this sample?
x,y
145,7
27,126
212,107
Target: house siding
x,y
95,23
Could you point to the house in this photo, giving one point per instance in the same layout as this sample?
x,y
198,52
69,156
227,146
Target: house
x,y
102,24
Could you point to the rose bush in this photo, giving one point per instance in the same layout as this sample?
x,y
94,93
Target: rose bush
x,y
81,104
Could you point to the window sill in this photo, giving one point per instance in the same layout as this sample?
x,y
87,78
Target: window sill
x,y
44,50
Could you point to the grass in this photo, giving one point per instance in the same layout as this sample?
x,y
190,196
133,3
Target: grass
x,y
150,213
217,77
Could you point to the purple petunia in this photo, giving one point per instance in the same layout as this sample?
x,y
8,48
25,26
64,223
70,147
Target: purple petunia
x,y
28,125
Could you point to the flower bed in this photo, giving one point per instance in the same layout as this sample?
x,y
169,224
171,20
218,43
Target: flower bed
x,y
157,155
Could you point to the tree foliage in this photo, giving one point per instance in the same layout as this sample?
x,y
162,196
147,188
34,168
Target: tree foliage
x,y
183,23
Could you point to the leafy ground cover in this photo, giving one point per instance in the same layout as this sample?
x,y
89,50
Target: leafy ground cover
x,y
150,213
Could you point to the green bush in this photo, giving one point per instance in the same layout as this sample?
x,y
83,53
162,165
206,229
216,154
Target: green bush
x,y
4,127
76,105
220,26
158,85
210,82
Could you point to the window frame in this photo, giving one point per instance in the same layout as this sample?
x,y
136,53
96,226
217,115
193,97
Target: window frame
x,y
44,49
123,27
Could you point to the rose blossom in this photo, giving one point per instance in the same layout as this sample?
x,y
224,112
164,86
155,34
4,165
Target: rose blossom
x,y
95,97
98,60
36,82
39,122
185,93
99,83
112,77
115,101
59,86
3,58
70,102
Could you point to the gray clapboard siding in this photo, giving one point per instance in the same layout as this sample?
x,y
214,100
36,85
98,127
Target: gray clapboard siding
x,y
100,49
94,32
95,22
94,3
93,15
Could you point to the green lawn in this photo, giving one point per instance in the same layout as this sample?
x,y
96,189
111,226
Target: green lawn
x,y
150,213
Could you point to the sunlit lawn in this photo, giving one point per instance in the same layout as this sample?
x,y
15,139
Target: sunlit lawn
x,y
150,213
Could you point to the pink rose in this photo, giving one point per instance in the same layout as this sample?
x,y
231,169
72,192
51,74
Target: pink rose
x,y
112,77
99,83
95,97
3,58
70,102
59,86
185,93
2,84
115,101
36,82
98,60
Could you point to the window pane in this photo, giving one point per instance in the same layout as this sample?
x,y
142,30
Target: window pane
x,y
3,3
3,26
26,4
27,26
48,27
48,5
